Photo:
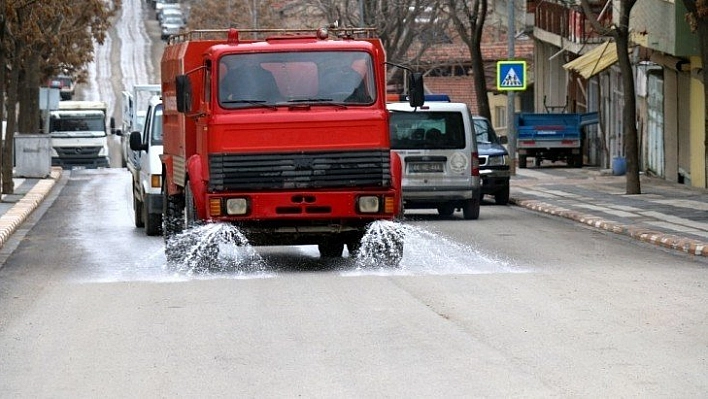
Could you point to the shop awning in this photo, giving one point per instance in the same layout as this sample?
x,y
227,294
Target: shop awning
x,y
594,61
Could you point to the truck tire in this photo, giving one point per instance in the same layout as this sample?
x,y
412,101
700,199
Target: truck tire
x,y
153,221
173,211
354,243
446,210
501,197
577,161
470,210
393,255
522,161
190,209
137,210
331,249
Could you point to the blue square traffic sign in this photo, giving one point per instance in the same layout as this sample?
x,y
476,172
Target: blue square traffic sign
x,y
511,75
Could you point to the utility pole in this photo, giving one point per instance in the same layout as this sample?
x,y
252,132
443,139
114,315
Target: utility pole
x,y
510,97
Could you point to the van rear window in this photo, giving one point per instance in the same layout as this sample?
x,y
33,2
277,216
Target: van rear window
x,y
426,130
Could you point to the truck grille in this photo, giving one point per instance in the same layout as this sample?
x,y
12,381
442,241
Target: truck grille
x,y
78,152
301,170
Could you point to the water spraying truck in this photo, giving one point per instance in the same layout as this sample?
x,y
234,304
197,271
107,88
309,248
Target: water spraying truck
x,y
281,133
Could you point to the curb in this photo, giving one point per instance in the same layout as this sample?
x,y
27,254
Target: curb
x,y
13,218
686,245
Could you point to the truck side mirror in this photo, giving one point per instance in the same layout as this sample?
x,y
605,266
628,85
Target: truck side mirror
x,y
416,91
112,125
136,142
503,140
184,93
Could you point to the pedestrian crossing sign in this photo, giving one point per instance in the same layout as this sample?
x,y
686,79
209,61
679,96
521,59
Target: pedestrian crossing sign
x,y
511,75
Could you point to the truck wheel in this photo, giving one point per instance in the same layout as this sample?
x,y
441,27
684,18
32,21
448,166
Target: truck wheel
x,y
354,244
331,249
190,209
173,211
153,221
446,210
577,161
501,197
138,211
393,254
470,210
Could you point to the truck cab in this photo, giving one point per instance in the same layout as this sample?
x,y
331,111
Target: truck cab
x,y
78,131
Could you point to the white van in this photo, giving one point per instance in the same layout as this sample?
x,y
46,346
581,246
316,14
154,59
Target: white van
x,y
146,168
436,143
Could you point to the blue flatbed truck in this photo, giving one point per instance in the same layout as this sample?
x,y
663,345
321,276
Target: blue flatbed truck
x,y
551,136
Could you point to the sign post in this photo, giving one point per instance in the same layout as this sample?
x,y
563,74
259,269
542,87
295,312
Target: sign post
x,y
511,77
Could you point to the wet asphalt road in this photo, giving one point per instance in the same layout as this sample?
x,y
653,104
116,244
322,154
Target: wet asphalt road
x,y
513,304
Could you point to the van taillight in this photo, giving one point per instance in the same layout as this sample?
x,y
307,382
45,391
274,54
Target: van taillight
x,y
475,164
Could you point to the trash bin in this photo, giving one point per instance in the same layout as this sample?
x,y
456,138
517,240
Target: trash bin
x,y
33,156
619,166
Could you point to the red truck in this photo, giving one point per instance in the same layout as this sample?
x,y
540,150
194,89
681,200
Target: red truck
x,y
281,133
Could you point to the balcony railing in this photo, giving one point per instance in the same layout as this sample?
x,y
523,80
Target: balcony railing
x,y
569,22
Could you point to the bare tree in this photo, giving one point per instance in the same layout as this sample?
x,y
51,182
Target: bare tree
x,y
620,33
468,18
407,28
698,21
219,14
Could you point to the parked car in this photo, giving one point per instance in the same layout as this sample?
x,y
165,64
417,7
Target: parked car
x,y
494,163
171,26
173,11
437,146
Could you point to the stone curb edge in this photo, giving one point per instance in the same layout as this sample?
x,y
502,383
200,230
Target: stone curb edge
x,y
13,218
689,246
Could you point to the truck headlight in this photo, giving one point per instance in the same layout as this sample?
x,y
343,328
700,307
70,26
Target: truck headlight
x,y
236,206
368,204
498,160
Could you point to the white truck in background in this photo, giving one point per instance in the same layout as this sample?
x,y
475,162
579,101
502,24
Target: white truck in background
x,y
146,169
78,131
135,104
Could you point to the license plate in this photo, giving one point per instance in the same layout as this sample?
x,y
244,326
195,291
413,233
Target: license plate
x,y
426,167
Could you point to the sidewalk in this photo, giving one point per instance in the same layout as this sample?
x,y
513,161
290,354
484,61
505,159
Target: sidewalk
x,y
670,215
28,194
666,214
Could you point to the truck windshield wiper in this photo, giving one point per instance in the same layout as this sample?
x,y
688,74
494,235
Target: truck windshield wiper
x,y
324,101
262,103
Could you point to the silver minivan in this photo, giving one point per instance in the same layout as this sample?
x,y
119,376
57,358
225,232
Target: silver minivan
x,y
437,146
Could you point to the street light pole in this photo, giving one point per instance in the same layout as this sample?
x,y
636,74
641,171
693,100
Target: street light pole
x,y
510,100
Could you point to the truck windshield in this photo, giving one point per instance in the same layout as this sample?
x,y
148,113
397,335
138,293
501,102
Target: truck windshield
x,y
426,130
76,122
340,77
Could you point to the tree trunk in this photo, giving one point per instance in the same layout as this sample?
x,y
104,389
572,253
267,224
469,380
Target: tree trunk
x,y
629,116
480,82
29,95
3,61
8,185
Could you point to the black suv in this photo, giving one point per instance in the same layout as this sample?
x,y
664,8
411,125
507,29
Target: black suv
x,y
493,161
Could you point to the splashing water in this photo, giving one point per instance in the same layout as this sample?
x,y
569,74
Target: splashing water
x,y
212,247
424,252
382,244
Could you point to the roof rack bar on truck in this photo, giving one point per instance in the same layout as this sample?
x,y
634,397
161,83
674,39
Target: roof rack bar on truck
x,y
221,34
